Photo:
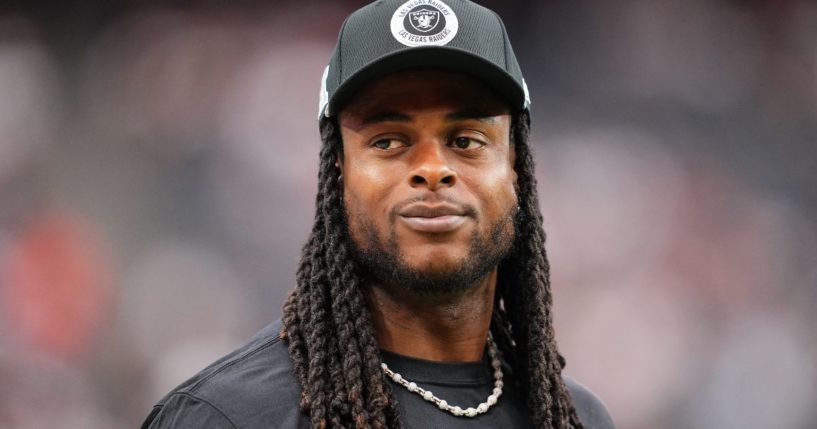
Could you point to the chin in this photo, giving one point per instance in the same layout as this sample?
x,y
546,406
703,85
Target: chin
x,y
436,268
437,275
436,260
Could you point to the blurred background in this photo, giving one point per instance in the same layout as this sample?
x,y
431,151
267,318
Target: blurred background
x,y
158,165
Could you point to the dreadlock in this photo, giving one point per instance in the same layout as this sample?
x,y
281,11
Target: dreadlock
x,y
329,331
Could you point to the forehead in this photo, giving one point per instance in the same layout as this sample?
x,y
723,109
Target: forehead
x,y
418,90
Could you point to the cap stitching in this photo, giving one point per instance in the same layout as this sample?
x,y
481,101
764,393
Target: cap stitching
x,y
504,39
340,54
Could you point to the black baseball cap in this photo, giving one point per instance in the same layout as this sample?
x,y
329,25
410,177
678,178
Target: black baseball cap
x,y
389,36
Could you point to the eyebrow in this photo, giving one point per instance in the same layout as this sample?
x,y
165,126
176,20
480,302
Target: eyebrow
x,y
386,116
459,115
476,114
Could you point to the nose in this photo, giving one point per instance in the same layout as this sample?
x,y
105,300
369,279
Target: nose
x,y
431,167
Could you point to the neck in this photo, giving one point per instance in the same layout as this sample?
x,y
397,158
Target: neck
x,y
450,327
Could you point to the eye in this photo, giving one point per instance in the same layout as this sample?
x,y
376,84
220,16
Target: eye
x,y
387,143
467,143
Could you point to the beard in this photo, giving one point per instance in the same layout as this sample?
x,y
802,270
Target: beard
x,y
382,261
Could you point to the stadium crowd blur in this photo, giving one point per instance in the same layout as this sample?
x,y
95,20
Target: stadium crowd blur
x,y
158,167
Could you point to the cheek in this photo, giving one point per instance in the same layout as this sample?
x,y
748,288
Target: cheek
x,y
511,200
368,185
501,188
355,220
361,194
364,207
353,202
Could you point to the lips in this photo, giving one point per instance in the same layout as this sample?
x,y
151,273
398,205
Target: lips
x,y
436,218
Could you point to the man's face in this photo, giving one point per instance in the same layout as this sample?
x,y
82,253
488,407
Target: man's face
x,y
428,180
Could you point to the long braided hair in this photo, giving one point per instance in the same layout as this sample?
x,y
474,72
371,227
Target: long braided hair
x,y
329,331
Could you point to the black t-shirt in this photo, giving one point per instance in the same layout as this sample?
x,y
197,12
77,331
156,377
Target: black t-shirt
x,y
255,387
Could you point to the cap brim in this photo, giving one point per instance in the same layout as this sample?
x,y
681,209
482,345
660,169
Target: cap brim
x,y
435,58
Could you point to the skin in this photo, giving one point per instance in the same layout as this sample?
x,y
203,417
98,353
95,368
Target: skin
x,y
414,142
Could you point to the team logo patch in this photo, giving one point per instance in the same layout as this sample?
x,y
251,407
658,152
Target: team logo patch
x,y
424,23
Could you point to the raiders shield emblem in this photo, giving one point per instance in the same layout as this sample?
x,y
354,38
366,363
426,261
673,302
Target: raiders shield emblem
x,y
424,20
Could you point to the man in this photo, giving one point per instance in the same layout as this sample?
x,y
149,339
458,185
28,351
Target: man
x,y
422,297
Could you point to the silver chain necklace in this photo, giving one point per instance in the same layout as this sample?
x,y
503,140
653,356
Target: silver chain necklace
x,y
441,403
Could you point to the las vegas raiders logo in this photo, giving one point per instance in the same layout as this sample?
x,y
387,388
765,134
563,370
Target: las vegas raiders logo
x,y
424,23
424,20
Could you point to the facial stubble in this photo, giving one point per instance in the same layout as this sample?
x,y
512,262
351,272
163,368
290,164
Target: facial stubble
x,y
383,262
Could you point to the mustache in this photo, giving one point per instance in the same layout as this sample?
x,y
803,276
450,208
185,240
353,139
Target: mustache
x,y
467,209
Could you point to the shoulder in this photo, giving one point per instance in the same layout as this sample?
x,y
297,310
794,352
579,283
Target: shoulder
x,y
591,410
251,387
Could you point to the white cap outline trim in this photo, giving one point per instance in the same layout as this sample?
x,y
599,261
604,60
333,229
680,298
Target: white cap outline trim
x,y
323,100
